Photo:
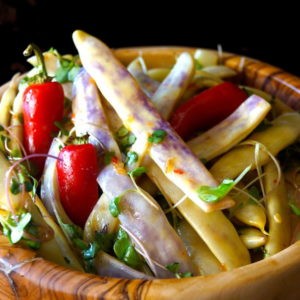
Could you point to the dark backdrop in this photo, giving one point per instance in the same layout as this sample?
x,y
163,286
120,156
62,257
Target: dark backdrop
x,y
264,31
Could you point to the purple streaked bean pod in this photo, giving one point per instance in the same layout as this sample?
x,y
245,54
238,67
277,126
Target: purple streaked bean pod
x,y
88,114
138,114
142,218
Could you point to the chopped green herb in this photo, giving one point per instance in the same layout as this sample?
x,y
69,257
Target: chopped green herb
x,y
127,141
132,157
14,226
198,65
67,70
174,268
114,206
125,251
108,157
215,193
80,244
61,127
157,136
295,209
137,171
33,244
105,240
91,251
72,230
123,131
15,187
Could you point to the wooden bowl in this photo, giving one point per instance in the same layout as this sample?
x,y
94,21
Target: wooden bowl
x,y
25,276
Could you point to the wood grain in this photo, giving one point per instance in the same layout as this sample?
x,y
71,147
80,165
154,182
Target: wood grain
x,y
23,275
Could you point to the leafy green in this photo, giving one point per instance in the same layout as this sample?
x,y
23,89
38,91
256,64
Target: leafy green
x,y
157,136
125,138
67,70
198,65
114,206
125,251
174,268
132,157
108,157
212,194
137,171
295,209
14,226
91,251
215,193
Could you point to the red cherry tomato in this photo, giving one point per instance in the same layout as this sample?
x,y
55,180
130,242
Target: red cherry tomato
x,y
77,171
43,104
207,109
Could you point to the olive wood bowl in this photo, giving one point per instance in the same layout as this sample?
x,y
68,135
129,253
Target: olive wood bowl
x,y
25,276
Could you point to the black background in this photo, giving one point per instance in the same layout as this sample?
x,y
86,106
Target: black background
x,y
266,31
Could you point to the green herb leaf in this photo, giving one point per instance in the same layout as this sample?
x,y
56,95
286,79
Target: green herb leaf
x,y
13,227
295,209
137,171
33,244
215,193
125,251
114,206
105,240
198,65
91,251
73,73
122,131
132,157
127,141
80,244
72,230
174,268
108,157
157,136
15,186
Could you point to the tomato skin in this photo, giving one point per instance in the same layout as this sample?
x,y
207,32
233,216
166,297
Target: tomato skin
x,y
77,171
43,104
207,108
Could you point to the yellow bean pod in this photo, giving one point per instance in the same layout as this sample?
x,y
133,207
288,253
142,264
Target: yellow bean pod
x,y
277,210
252,238
158,74
100,220
7,100
222,239
251,213
240,124
231,164
204,260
